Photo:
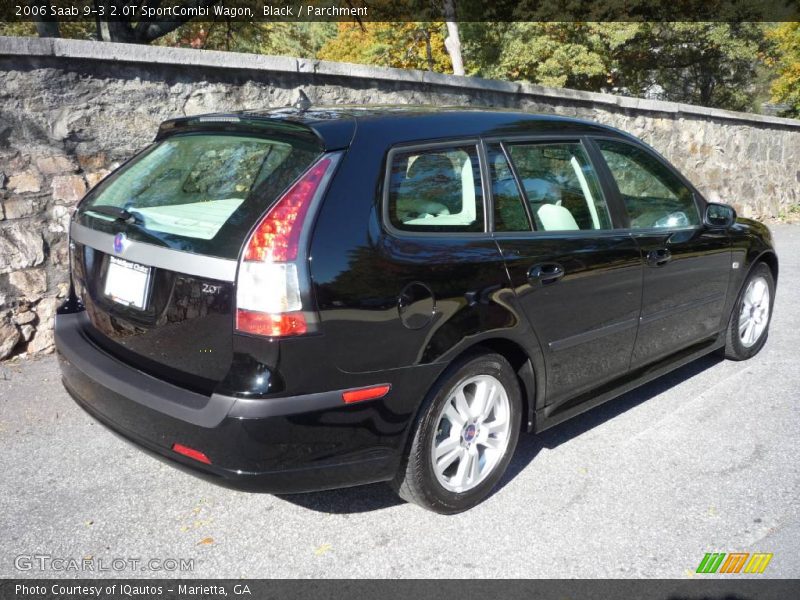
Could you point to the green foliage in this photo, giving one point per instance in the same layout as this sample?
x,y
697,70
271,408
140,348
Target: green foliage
x,y
17,29
75,30
277,38
297,39
713,64
582,56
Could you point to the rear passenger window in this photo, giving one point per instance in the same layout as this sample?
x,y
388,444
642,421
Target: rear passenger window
x,y
561,185
437,189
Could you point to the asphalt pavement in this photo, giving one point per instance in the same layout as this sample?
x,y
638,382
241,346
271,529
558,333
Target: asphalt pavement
x,y
705,459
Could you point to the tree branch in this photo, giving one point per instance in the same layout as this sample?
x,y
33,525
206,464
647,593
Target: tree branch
x,y
147,32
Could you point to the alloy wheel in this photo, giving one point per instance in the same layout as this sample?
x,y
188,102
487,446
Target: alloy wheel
x,y
472,433
754,315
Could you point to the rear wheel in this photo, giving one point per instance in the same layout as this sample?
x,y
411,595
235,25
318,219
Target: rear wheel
x,y
749,324
464,438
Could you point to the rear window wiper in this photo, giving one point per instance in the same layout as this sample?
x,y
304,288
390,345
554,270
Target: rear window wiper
x,y
119,214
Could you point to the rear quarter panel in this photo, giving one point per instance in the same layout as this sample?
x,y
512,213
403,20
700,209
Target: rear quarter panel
x,y
359,271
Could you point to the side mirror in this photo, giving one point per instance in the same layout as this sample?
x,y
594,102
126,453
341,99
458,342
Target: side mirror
x,y
719,215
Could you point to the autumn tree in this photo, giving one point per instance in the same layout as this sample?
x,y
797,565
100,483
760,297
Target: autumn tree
x,y
784,57
405,45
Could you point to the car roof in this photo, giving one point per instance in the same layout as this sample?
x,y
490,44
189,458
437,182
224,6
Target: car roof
x,y
336,126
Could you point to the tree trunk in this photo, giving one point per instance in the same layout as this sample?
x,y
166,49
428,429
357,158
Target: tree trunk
x,y
143,32
102,31
46,28
453,40
428,49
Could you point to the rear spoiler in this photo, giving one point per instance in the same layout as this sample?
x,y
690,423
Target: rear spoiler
x,y
261,125
234,123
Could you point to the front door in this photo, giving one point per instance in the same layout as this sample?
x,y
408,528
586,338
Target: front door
x,y
687,265
577,279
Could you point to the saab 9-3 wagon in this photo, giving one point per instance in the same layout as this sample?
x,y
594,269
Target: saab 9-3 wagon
x,y
295,300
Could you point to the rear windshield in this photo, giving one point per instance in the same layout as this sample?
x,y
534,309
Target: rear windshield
x,y
197,192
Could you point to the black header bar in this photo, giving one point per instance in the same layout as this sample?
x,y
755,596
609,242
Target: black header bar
x,y
738,587
400,10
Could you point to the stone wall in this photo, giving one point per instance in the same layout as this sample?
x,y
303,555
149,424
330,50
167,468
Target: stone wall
x,y
71,111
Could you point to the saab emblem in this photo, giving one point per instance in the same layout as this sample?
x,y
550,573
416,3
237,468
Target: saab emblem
x,y
119,242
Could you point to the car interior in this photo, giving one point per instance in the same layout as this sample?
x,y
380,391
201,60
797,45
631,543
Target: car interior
x,y
435,189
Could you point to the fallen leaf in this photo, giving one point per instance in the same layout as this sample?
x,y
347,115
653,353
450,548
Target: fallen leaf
x,y
206,541
323,549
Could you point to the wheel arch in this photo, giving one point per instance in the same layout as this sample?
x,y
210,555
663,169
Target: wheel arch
x,y
769,257
529,377
732,349
526,374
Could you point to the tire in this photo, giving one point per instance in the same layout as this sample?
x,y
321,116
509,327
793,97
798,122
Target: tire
x,y
475,445
749,323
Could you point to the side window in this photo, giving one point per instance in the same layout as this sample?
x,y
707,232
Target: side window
x,y
509,210
561,185
653,195
438,189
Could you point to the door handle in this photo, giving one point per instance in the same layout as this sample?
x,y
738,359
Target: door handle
x,y
546,273
659,257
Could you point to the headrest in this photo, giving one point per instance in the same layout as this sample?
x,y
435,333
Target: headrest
x,y
542,190
556,218
432,166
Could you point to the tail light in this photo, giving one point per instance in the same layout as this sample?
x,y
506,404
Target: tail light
x,y
269,299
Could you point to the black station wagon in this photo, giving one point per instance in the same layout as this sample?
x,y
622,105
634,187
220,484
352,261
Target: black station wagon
x,y
295,300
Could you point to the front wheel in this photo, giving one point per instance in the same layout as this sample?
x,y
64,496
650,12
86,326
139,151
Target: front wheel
x,y
465,436
749,323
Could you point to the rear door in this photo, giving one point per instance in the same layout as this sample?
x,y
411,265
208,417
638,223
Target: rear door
x,y
155,247
687,266
577,277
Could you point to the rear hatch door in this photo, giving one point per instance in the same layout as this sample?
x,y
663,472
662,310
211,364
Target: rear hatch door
x,y
155,246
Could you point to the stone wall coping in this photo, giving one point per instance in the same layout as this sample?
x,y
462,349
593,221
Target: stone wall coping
x,y
213,59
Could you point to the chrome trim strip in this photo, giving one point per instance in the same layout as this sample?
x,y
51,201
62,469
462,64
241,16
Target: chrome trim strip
x,y
209,267
674,310
588,336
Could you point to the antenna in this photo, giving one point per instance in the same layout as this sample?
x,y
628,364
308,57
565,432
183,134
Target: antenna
x,y
302,103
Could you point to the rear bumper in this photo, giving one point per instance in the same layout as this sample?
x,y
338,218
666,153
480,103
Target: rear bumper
x,y
280,445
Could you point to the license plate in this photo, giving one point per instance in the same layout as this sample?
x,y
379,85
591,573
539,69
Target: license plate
x,y
127,282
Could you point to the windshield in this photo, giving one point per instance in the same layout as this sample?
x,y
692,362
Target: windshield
x,y
189,190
